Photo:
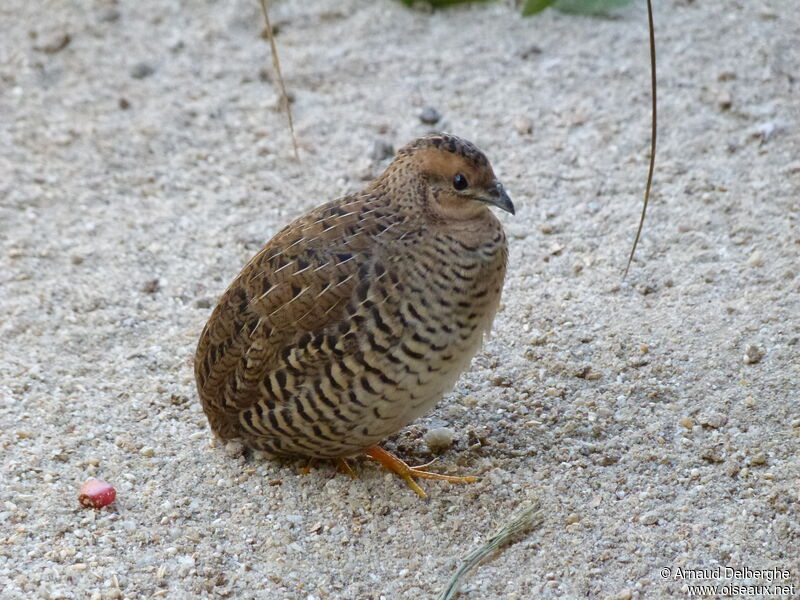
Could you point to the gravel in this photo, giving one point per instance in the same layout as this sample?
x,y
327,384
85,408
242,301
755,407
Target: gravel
x,y
430,116
683,455
439,439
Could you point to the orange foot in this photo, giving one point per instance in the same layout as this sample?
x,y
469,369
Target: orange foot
x,y
394,464
307,469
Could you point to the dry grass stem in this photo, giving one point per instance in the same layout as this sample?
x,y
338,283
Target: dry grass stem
x,y
529,517
277,64
652,134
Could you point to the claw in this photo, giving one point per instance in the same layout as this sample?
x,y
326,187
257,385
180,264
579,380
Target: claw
x,y
344,467
395,465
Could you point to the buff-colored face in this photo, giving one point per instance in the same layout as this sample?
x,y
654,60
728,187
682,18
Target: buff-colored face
x,y
462,185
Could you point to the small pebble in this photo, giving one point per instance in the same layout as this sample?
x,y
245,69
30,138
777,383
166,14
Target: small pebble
x,y
147,452
712,420
638,361
381,150
234,449
724,100
294,519
752,355
430,116
763,131
687,422
646,289
202,303
530,51
142,70
732,468
110,15
501,381
714,454
607,460
123,104
55,43
151,286
439,439
523,125
756,259
586,372
539,339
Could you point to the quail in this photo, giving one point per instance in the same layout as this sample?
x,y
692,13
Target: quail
x,y
358,317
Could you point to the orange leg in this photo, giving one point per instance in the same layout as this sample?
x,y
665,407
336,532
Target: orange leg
x,y
307,469
394,464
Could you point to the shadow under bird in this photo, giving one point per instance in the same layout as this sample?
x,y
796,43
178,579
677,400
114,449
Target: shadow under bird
x,y
360,315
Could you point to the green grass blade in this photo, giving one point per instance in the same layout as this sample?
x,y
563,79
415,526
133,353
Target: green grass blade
x,y
532,7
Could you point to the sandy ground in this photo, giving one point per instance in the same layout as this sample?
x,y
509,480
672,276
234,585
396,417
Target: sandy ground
x,y
142,163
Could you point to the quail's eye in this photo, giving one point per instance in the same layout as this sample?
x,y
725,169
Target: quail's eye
x,y
460,182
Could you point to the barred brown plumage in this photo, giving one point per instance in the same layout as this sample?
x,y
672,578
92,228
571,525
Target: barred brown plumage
x,y
361,314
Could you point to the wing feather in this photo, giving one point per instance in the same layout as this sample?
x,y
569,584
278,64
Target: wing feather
x,y
300,283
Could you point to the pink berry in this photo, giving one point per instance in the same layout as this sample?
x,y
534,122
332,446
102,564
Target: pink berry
x,y
96,493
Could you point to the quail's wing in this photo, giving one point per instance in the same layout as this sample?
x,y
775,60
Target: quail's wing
x,y
301,282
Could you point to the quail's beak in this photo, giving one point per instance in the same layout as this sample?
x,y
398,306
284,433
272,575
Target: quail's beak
x,y
496,196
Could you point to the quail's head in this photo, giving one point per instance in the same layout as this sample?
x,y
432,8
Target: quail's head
x,y
458,178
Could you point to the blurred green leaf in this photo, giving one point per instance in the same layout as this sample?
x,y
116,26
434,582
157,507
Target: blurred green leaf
x,y
442,3
588,7
531,7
